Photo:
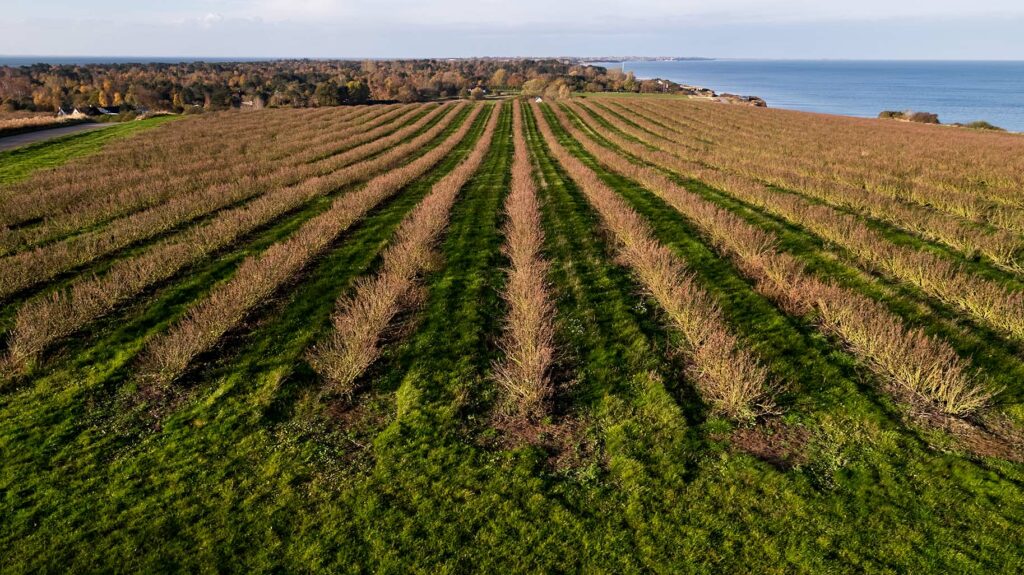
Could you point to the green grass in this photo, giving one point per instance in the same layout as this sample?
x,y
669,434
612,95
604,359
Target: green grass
x,y
398,124
856,438
990,351
9,306
978,265
18,163
250,472
89,367
92,413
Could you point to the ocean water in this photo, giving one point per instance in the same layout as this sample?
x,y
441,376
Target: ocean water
x,y
957,91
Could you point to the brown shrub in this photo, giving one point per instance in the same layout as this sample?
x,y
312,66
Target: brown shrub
x,y
528,336
167,356
31,267
985,300
253,154
352,346
41,321
728,377
920,364
926,367
896,175
133,162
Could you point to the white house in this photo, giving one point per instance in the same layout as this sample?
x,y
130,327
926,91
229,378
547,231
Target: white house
x,y
74,114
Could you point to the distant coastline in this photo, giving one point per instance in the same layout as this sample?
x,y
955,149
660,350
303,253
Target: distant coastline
x,y
626,59
958,91
29,60
688,89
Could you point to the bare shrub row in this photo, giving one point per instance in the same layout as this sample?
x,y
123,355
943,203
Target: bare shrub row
x,y
727,376
40,121
24,269
986,301
133,161
253,155
903,186
49,214
362,317
967,237
917,366
44,320
529,333
169,355
128,160
959,171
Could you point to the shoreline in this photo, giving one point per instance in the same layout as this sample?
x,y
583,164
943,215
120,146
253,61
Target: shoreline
x,y
690,90
953,113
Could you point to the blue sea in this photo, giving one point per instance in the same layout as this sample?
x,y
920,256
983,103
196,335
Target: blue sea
x,y
958,91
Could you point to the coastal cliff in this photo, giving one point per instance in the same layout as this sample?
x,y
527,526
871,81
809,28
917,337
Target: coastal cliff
x,y
725,97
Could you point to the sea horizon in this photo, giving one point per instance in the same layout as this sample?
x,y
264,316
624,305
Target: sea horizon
x,y
959,91
19,59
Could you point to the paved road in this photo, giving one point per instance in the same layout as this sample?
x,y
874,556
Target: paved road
x,y
8,142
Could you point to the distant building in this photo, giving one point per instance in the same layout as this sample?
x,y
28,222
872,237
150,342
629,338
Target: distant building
x,y
538,99
256,103
71,114
78,113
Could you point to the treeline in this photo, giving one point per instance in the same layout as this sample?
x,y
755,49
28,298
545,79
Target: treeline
x,y
299,83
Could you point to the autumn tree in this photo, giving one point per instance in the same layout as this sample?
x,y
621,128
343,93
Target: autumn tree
x,y
534,87
358,92
328,94
499,79
629,84
407,94
295,83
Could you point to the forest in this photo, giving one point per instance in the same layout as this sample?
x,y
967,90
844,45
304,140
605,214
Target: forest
x,y
300,83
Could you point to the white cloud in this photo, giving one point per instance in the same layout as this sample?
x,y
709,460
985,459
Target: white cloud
x,y
404,28
211,19
297,10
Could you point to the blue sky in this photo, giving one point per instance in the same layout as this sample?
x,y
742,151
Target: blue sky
x,y
939,29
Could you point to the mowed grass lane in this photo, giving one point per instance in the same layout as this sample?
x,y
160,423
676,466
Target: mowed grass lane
x,y
81,399
852,439
427,461
978,288
241,160
103,263
94,250
945,232
102,352
180,434
41,321
959,179
19,163
914,361
999,358
413,476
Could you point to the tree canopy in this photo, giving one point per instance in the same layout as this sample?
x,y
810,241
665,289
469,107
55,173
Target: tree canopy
x,y
297,83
